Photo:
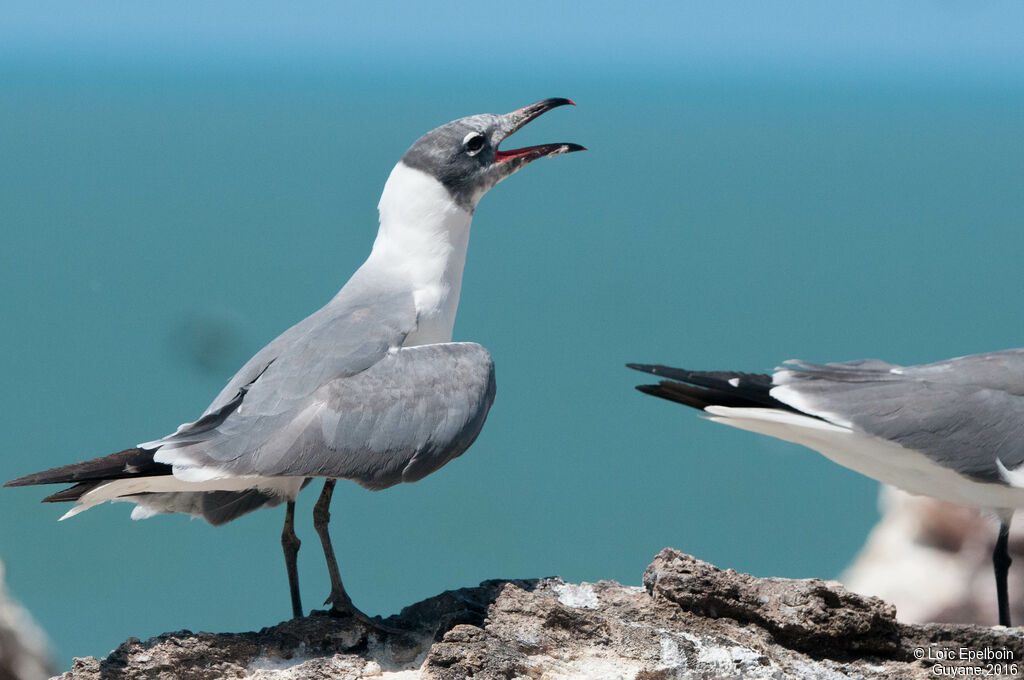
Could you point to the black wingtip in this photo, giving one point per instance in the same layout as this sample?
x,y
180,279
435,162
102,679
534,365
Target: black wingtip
x,y
27,480
663,371
134,462
645,368
72,493
700,389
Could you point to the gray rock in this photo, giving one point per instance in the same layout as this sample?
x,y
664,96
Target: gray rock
x,y
819,617
691,620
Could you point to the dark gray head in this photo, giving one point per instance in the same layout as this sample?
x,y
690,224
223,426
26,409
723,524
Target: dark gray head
x,y
464,156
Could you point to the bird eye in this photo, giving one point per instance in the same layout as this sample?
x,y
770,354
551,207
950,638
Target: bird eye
x,y
473,142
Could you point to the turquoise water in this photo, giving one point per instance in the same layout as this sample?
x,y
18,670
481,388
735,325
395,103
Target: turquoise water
x,y
160,226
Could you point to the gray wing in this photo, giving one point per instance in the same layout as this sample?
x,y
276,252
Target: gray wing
x,y
396,421
967,414
340,339
1003,371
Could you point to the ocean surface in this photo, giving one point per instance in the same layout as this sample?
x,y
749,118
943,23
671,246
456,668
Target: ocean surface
x,y
160,225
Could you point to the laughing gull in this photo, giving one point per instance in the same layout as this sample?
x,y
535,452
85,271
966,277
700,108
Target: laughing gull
x,y
369,387
953,430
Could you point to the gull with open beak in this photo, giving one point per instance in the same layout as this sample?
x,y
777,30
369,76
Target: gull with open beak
x,y
370,387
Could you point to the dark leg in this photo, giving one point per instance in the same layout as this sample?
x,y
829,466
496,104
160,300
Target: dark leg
x,y
341,603
338,599
1001,562
290,542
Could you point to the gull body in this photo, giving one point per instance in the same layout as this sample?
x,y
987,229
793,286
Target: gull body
x,y
953,430
370,387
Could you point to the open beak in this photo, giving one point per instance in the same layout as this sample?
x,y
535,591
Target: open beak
x,y
513,159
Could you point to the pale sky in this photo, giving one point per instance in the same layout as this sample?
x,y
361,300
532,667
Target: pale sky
x,y
983,37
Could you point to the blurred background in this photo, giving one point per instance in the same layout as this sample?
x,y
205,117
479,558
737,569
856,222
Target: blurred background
x,y
179,182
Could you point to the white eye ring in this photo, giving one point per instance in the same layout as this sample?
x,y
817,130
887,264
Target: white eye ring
x,y
473,143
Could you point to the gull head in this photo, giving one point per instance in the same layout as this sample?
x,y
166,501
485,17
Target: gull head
x,y
464,155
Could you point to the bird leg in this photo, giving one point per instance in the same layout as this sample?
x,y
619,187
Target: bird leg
x,y
290,542
1001,561
339,600
341,603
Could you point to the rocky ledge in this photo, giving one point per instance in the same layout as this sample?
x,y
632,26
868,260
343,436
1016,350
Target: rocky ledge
x,y
689,620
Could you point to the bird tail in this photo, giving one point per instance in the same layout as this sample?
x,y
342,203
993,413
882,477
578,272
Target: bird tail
x,y
700,389
89,474
134,462
123,478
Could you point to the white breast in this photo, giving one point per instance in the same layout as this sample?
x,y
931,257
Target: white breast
x,y
423,238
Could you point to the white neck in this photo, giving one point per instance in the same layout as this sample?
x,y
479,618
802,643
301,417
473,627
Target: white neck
x,y
423,238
